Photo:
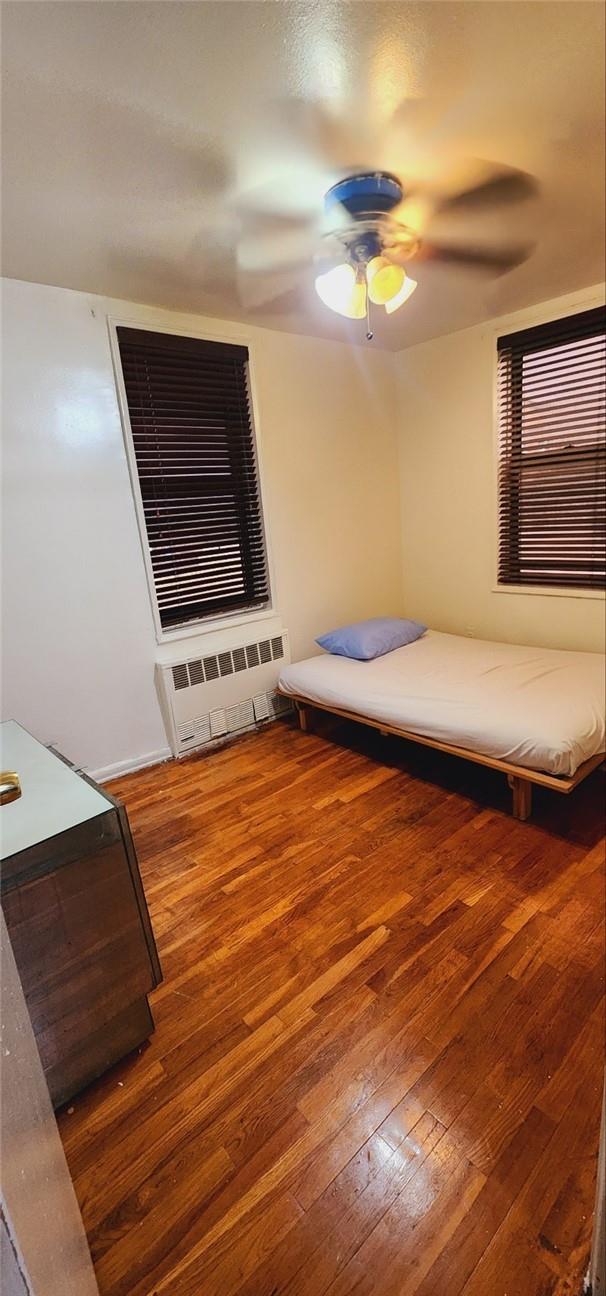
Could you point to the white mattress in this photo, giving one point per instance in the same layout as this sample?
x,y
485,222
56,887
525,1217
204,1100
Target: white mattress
x,y
536,707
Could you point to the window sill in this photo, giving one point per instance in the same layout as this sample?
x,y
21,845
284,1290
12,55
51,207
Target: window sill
x,y
212,624
543,592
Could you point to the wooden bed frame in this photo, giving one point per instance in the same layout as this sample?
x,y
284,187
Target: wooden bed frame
x,y
520,780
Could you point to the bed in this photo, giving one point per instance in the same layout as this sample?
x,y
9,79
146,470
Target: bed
x,y
536,714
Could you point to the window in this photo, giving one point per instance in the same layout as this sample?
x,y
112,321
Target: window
x,y
194,451
552,454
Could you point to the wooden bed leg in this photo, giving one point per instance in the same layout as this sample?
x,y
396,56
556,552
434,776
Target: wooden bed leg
x,y
304,717
522,796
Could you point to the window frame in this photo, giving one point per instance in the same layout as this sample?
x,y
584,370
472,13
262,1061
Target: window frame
x,y
510,324
218,620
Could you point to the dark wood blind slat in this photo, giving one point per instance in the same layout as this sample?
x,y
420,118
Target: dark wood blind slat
x,y
194,450
552,453
146,341
582,326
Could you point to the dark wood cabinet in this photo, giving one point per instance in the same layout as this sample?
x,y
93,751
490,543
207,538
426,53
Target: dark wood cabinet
x,y
77,916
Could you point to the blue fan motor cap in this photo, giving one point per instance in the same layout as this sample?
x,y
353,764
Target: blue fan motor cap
x,y
374,191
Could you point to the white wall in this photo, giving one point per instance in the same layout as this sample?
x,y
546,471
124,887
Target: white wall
x,y
447,467
79,644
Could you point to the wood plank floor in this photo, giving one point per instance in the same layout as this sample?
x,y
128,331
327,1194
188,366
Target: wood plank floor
x,y
377,1066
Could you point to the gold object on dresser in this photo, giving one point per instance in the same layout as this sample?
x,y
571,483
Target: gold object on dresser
x,y
10,787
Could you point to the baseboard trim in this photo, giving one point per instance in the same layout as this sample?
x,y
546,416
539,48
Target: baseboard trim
x,y
129,766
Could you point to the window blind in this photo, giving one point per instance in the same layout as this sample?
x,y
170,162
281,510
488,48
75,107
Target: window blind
x,y
194,448
552,453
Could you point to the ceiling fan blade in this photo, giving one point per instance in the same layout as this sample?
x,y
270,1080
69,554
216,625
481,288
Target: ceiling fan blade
x,y
338,141
437,115
282,303
492,261
505,185
269,250
286,194
416,210
294,153
257,293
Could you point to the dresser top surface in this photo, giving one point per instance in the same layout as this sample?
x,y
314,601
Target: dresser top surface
x,y
53,797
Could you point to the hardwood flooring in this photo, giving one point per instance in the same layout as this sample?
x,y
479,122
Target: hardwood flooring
x,y
377,1065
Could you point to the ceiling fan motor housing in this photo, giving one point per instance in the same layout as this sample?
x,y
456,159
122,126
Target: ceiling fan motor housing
x,y
368,199
365,195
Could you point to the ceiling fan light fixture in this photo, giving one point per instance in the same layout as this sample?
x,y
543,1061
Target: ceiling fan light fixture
x,y
405,292
343,291
357,305
385,280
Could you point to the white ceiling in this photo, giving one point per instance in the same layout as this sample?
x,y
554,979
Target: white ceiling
x,y
135,133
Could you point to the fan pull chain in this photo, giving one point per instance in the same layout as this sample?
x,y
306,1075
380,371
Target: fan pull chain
x,y
369,332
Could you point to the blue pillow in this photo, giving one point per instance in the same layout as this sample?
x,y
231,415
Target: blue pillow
x,y
368,639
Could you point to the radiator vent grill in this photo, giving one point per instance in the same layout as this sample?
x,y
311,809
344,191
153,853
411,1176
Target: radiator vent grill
x,y
214,696
211,669
252,655
180,679
218,724
225,664
204,670
196,672
229,720
194,732
268,706
240,716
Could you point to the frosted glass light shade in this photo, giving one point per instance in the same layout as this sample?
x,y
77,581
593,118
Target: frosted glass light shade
x,y
340,290
405,292
385,280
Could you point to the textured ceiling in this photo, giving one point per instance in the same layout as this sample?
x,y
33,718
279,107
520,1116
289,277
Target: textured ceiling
x,y
136,136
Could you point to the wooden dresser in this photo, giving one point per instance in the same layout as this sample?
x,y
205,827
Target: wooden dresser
x,y
76,914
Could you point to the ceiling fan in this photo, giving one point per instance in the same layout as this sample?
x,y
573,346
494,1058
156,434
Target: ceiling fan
x,y
372,225
362,246
377,246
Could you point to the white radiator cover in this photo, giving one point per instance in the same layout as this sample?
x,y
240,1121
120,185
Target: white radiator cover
x,y
208,695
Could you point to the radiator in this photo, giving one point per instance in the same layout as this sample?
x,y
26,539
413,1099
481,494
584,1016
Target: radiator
x,y
209,696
